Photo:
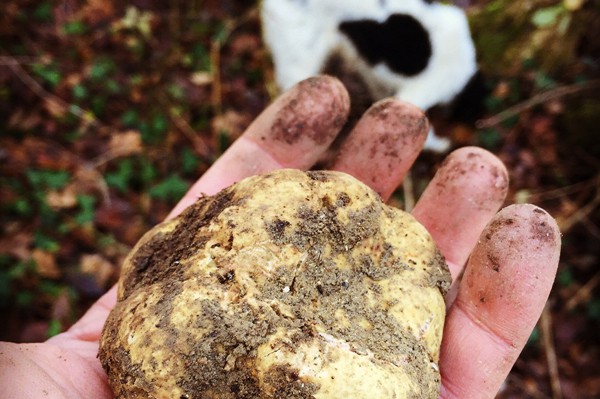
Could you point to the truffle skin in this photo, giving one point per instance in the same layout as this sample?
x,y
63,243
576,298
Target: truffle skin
x,y
287,285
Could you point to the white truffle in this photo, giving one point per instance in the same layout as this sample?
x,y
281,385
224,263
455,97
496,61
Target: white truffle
x,y
288,285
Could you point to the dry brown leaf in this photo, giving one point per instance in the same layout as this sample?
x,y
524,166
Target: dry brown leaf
x,y
231,122
90,180
16,244
73,79
62,199
245,43
45,263
96,11
24,120
126,143
201,78
54,108
46,154
502,90
97,266
462,134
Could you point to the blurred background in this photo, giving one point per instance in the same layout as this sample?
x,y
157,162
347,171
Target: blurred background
x,y
110,110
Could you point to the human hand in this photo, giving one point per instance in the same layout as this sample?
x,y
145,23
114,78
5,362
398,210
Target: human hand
x,y
511,256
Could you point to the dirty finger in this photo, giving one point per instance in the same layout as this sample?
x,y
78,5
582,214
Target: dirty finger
x,y
463,196
291,133
501,296
383,145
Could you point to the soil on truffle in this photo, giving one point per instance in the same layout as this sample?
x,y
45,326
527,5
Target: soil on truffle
x,y
295,297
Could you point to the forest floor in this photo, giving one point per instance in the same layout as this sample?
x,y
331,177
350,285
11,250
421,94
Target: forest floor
x,y
109,112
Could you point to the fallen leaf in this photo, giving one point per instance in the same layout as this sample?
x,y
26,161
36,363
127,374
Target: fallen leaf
x,y
17,244
201,78
502,90
231,123
245,43
96,11
45,263
24,119
47,154
55,108
89,179
462,134
126,143
73,79
110,215
62,199
98,267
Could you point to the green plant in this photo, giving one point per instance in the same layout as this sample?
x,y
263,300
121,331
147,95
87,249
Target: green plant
x,y
489,138
593,309
170,189
101,68
54,328
43,12
74,28
534,337
121,178
50,73
189,161
45,242
47,179
86,209
565,277
154,131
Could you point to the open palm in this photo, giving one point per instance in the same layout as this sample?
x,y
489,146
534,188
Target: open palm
x,y
507,259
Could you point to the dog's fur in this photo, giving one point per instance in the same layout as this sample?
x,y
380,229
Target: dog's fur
x,y
415,50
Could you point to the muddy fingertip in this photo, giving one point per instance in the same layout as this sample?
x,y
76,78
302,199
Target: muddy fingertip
x,y
513,267
303,122
527,221
383,145
474,166
314,110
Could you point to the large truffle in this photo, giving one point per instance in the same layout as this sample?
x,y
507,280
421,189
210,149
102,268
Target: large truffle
x,y
287,285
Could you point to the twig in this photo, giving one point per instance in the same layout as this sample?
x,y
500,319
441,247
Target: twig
x,y
215,64
19,60
33,85
86,116
565,190
108,156
568,223
199,144
215,56
535,100
583,293
550,351
591,228
582,213
409,194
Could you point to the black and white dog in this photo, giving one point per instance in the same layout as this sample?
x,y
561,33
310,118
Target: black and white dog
x,y
415,50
